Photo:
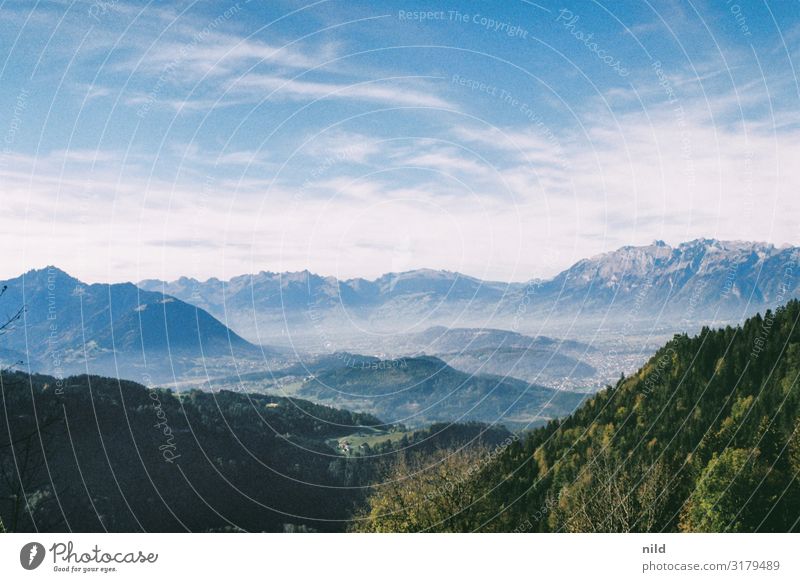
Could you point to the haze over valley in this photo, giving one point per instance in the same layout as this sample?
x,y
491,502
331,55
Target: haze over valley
x,y
377,346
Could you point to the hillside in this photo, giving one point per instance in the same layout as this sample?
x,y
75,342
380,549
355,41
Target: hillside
x,y
149,459
118,330
539,360
705,437
425,389
121,457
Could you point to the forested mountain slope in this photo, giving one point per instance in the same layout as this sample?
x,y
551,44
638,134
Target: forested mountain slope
x,y
703,438
93,454
87,453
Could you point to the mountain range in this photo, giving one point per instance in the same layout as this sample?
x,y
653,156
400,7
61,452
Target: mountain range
x,y
654,290
118,330
123,331
577,330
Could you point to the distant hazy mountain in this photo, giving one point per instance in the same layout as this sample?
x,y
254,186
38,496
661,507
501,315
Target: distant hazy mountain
x,y
70,327
650,289
539,360
317,313
735,278
442,340
416,391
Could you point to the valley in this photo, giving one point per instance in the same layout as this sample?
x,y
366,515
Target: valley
x,y
415,347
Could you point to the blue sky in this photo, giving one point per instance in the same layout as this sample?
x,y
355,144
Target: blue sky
x,y
502,140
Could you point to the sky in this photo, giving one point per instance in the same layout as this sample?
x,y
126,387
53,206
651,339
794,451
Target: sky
x,y
501,140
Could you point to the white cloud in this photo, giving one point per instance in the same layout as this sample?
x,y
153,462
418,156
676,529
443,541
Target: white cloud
x,y
388,91
530,211
636,178
224,55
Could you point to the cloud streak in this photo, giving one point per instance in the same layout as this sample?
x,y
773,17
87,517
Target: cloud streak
x,y
393,91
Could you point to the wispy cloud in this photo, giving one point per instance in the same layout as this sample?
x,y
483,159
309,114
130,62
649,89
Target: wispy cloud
x,y
393,91
177,140
224,54
638,177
